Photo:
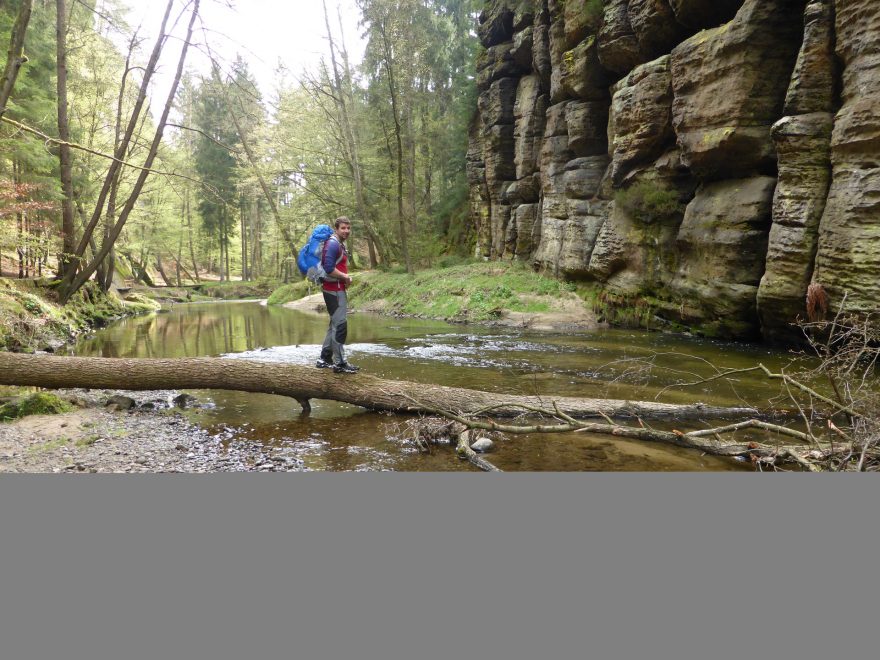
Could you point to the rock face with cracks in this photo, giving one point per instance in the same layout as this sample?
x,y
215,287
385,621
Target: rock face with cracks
x,y
708,159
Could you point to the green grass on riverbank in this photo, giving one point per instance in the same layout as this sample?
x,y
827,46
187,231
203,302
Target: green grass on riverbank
x,y
468,293
293,291
30,319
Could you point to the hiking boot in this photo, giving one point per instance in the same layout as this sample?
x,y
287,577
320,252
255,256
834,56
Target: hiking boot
x,y
323,364
345,368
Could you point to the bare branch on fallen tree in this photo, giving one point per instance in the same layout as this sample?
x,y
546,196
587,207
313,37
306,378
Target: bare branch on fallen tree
x,y
788,380
690,440
463,449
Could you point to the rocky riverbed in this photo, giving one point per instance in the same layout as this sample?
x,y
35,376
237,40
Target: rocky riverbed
x,y
130,432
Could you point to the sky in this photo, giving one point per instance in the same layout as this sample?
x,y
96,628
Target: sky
x,y
264,32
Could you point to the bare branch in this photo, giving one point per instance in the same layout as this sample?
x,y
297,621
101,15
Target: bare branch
x,y
95,152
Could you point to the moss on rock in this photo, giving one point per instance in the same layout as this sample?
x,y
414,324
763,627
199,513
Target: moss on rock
x,y
39,403
31,319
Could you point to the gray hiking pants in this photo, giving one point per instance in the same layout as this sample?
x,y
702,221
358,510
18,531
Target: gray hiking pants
x,y
333,349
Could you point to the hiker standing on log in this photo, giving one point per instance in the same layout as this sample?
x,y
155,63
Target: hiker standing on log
x,y
334,259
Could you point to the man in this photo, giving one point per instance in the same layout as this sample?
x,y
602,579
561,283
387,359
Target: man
x,y
335,262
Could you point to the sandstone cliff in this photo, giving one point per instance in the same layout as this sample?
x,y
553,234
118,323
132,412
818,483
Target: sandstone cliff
x,y
709,158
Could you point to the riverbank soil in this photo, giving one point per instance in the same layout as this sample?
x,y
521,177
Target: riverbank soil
x,y
151,436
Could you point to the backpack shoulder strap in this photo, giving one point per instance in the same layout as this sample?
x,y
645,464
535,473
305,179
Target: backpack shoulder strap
x,y
341,248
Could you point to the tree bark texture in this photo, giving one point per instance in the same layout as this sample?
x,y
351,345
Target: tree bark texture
x,y
304,383
68,229
15,55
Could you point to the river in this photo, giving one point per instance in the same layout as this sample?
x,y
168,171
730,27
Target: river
x,y
339,437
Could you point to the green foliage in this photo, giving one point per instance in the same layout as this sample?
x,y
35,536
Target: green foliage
x,y
214,162
649,202
628,311
290,292
594,11
419,70
451,260
302,152
39,403
471,292
24,159
646,308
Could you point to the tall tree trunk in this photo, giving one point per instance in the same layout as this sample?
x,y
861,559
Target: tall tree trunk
x,y
221,261
19,224
179,269
228,267
278,267
189,233
350,143
409,133
107,268
15,55
371,250
178,257
139,269
392,88
20,249
161,270
425,150
26,230
257,240
70,285
68,229
245,276
93,246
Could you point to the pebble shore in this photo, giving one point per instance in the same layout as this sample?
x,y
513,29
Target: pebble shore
x,y
136,432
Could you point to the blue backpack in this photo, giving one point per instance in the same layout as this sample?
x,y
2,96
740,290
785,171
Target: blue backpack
x,y
309,260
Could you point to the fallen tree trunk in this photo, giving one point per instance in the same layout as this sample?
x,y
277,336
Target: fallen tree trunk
x,y
305,383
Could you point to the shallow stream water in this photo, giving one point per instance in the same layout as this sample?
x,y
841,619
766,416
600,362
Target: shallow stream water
x,y
601,363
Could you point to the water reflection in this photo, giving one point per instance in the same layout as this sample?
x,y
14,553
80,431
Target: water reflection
x,y
604,363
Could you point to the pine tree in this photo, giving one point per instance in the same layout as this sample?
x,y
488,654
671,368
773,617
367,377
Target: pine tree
x,y
216,165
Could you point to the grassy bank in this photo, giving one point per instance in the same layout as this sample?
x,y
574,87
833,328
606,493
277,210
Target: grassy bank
x,y
31,319
289,292
464,293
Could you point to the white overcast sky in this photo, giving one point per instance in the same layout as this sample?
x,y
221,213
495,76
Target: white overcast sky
x,y
264,32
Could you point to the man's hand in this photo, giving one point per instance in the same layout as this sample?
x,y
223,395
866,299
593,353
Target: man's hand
x,y
339,276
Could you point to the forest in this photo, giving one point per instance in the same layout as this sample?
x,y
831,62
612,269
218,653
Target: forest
x,y
220,179
534,188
